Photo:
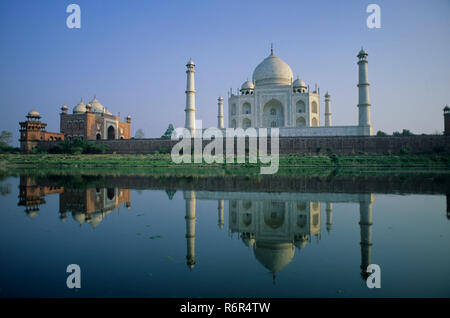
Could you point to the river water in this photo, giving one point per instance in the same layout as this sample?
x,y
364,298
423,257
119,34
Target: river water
x,y
136,237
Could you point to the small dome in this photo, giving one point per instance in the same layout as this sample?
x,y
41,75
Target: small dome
x,y
362,53
80,108
272,71
128,117
64,108
190,63
247,85
299,83
33,114
446,108
327,95
97,107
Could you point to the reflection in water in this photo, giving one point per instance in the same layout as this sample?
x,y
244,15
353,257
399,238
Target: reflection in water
x,y
89,205
274,225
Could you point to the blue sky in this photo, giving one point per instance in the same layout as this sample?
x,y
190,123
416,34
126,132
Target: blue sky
x,y
132,55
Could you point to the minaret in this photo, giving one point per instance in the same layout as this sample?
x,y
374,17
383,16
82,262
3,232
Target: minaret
x,y
189,197
363,89
220,113
327,110
220,206
329,212
365,225
190,98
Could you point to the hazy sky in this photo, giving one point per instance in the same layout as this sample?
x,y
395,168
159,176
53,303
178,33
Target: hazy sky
x,y
132,55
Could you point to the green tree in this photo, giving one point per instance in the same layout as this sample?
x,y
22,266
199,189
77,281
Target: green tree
x,y
168,133
407,132
5,137
381,133
139,134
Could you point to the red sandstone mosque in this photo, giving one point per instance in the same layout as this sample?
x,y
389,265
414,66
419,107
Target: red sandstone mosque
x,y
87,122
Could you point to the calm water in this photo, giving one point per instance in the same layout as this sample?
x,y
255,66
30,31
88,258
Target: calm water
x,y
131,241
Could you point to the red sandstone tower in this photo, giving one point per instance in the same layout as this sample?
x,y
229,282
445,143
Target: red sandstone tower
x,y
33,131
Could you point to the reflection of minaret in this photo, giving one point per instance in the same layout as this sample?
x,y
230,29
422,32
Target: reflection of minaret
x,y
365,224
220,205
329,212
448,206
190,228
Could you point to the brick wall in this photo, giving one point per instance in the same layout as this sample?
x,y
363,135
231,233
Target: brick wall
x,y
303,145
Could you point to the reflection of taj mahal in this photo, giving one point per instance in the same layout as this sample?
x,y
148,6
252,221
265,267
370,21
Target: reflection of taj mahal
x,y
275,224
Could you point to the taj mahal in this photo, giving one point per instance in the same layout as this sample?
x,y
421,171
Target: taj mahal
x,y
273,99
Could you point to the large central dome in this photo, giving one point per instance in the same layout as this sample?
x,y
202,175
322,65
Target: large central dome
x,y
272,71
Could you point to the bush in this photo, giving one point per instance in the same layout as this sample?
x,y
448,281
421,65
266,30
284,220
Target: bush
x,y
405,150
4,148
163,150
407,132
334,158
77,147
381,133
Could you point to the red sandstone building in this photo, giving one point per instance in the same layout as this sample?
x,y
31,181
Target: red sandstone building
x,y
93,122
33,131
87,122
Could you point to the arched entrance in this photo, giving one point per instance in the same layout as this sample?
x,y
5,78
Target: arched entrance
x,y
98,137
273,114
301,122
111,133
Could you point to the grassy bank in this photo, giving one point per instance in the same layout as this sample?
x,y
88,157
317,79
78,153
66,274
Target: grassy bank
x,y
161,164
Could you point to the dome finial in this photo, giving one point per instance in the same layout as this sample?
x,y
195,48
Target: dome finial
x,y
271,48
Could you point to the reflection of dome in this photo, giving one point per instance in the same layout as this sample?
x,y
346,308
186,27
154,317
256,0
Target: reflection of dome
x,y
32,213
247,239
301,241
274,256
80,108
272,71
96,218
63,217
79,217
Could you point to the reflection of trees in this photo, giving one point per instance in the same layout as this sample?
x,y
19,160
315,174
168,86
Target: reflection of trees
x,y
170,193
5,188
